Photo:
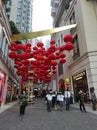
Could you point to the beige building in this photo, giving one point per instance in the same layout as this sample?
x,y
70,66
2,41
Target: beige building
x,y
81,65
8,79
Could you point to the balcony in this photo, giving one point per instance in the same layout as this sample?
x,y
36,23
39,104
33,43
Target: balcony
x,y
64,5
53,11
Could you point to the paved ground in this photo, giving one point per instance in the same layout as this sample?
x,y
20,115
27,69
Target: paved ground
x,y
37,118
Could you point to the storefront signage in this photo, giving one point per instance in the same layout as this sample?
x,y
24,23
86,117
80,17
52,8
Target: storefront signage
x,y
79,76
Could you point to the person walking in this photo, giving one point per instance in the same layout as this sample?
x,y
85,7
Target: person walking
x,y
81,101
23,103
54,99
67,98
49,101
60,99
93,99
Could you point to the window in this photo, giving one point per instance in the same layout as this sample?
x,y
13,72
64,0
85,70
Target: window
x,y
58,42
72,19
61,38
18,17
60,69
19,11
19,4
18,25
7,10
76,52
1,39
10,2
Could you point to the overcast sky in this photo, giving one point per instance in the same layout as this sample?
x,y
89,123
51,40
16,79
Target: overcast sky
x,y
42,15
42,19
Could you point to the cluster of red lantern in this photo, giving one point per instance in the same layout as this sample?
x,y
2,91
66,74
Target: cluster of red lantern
x,y
38,60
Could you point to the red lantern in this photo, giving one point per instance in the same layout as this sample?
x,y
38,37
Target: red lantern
x,y
62,55
12,55
28,45
62,61
52,42
40,44
68,46
68,38
35,48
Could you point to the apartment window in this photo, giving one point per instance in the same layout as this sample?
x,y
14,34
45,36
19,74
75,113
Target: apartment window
x,y
7,10
19,11
18,25
72,19
60,69
10,2
18,17
19,4
76,52
58,42
6,51
1,43
8,16
61,38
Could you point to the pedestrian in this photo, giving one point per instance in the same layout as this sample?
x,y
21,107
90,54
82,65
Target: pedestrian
x,y
81,101
60,99
67,98
54,96
49,100
23,103
93,99
71,99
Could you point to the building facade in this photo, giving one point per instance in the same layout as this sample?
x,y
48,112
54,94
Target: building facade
x,y
20,12
8,79
81,65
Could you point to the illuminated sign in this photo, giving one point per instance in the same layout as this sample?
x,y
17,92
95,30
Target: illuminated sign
x,y
79,76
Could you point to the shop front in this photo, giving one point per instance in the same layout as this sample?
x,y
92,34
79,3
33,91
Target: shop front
x,y
80,83
2,85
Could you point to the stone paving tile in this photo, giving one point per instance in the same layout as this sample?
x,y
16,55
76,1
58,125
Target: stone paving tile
x,y
38,118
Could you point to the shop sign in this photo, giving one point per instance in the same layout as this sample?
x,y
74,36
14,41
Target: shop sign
x,y
79,76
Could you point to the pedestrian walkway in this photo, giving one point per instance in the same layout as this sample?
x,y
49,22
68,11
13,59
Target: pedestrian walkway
x,y
6,106
88,108
37,117
75,105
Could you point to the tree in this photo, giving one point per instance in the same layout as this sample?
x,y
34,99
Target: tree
x,y
14,30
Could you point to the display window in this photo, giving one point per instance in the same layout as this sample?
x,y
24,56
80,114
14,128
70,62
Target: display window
x,y
80,83
2,84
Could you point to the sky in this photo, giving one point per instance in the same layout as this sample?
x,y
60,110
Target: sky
x,y
42,19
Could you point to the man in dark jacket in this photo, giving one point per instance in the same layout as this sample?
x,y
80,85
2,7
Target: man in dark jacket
x,y
81,101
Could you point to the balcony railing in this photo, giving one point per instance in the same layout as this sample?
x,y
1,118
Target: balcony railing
x,y
63,6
